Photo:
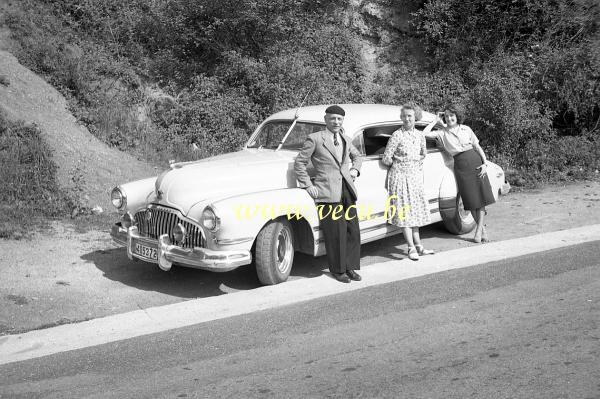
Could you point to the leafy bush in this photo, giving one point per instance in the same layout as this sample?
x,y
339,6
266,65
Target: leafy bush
x,y
500,111
430,90
527,70
226,63
566,82
530,70
210,115
561,158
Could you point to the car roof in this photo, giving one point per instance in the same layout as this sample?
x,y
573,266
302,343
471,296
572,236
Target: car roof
x,y
357,115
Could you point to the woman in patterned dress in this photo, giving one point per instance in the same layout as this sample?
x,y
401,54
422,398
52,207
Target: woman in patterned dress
x,y
404,153
470,168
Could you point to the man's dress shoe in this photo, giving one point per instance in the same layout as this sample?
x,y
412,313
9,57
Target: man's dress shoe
x,y
353,275
341,277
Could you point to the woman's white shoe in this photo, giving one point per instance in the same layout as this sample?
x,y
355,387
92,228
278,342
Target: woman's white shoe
x,y
413,254
422,251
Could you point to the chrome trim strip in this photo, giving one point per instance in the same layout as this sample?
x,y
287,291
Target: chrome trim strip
x,y
232,241
373,228
377,215
372,216
377,237
363,231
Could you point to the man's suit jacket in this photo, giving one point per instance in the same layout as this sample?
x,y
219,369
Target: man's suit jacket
x,y
329,172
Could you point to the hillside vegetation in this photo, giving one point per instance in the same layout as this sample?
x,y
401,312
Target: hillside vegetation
x,y
153,77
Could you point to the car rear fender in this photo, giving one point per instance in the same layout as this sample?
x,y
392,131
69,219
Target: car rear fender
x,y
447,191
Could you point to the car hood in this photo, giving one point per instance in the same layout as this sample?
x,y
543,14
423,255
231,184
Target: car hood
x,y
223,176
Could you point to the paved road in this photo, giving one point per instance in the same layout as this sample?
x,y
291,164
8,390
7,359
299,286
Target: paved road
x,y
523,328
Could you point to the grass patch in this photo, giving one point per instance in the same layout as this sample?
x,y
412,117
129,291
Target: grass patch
x,y
31,195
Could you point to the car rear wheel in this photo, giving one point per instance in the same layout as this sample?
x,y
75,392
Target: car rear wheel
x,y
457,220
274,252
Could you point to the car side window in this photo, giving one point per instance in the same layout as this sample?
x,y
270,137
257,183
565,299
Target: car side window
x,y
372,141
359,143
375,138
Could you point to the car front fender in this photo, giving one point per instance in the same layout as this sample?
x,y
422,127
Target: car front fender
x,y
242,217
137,193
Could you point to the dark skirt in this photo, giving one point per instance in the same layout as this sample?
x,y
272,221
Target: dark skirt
x,y
476,192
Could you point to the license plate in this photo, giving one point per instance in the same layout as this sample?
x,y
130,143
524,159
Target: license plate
x,y
146,251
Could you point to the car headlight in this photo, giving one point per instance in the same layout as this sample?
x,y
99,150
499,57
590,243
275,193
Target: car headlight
x,y
118,198
179,233
127,220
210,220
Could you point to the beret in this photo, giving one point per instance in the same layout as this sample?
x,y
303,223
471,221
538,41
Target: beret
x,y
335,109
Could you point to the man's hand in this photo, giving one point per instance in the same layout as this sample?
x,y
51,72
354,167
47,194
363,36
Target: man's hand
x,y
312,191
354,173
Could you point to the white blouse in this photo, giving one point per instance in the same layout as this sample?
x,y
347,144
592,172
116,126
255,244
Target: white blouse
x,y
458,139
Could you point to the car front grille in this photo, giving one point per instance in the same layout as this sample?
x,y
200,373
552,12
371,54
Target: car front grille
x,y
154,222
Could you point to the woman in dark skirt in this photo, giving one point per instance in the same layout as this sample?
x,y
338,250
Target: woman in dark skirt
x,y
470,167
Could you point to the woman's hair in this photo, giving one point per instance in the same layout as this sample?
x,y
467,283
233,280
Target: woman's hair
x,y
414,107
456,110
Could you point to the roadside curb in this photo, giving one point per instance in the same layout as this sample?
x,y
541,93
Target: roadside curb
x,y
38,343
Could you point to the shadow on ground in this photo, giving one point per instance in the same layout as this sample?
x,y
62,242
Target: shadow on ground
x,y
185,282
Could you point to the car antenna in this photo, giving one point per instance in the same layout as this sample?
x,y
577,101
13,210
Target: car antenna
x,y
297,114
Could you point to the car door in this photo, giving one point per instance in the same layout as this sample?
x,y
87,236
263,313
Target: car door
x,y
372,200
434,171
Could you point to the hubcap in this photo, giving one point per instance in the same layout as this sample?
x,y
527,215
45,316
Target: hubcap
x,y
284,250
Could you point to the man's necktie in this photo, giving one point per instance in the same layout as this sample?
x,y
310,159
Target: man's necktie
x,y
335,140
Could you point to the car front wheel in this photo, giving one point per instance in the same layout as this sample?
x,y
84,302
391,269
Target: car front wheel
x,y
456,219
274,252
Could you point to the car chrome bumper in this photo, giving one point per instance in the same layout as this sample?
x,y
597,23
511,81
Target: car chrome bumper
x,y
167,253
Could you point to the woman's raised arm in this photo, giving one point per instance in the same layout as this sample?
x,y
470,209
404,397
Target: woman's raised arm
x,y
427,131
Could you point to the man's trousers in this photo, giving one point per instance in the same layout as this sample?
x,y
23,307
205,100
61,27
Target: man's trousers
x,y
341,232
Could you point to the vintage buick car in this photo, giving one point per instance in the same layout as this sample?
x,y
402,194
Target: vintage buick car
x,y
245,207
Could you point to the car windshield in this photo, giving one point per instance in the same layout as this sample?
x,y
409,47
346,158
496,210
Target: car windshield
x,y
273,133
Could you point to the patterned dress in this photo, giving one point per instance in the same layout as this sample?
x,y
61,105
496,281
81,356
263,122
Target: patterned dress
x,y
405,179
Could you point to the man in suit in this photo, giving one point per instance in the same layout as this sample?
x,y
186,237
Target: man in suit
x,y
332,188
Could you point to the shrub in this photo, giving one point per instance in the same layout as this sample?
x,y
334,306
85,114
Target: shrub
x,y
558,40
567,83
211,115
430,90
561,158
499,109
228,63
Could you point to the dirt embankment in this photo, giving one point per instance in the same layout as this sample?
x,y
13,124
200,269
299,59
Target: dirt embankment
x,y
27,97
